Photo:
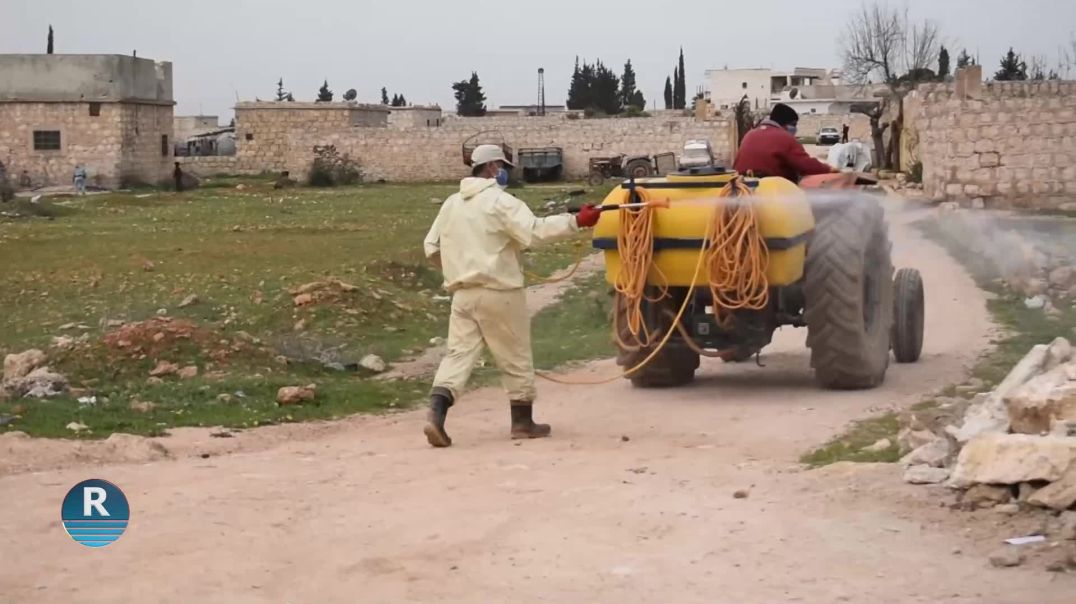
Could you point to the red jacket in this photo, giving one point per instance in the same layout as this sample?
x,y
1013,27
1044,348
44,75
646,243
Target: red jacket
x,y
770,150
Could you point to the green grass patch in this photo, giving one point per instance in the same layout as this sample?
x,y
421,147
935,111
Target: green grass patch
x,y
115,262
851,445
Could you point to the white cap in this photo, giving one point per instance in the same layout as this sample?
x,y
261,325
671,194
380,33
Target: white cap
x,y
483,154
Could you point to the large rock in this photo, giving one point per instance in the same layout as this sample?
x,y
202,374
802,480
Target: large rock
x,y
40,383
933,454
1036,406
21,364
1058,495
296,395
985,495
374,363
1061,277
989,413
909,440
925,475
1012,459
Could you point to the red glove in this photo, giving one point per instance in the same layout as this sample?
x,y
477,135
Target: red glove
x,y
588,216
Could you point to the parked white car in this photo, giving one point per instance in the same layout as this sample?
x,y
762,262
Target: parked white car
x,y
696,154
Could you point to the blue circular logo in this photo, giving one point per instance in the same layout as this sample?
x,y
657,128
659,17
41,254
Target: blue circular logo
x,y
95,513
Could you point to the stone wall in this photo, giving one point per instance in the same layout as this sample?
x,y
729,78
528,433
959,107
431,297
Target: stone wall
x,y
1009,143
122,143
415,117
209,165
432,154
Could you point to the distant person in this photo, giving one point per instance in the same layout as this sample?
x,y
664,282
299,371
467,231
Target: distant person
x,y
772,149
177,175
844,133
6,192
80,180
285,181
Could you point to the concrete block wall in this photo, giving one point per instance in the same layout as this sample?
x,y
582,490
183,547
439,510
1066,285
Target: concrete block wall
x,y
433,154
209,165
1011,143
146,155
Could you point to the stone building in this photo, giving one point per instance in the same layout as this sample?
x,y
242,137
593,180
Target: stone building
x,y
262,128
110,113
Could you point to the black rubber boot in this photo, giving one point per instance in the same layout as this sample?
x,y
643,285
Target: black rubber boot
x,y
523,425
440,401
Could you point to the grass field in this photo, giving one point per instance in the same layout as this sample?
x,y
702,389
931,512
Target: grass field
x,y
110,272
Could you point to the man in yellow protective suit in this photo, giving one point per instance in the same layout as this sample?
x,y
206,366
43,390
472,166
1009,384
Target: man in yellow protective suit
x,y
476,240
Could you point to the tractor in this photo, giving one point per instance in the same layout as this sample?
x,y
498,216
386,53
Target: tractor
x,y
816,255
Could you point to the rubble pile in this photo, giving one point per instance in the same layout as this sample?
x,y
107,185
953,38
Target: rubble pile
x,y
27,376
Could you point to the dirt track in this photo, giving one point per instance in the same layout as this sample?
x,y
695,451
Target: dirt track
x,y
364,511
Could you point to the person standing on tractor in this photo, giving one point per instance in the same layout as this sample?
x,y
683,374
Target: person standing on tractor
x,y
772,149
476,241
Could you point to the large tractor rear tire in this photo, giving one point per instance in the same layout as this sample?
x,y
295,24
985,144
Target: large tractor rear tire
x,y
909,310
673,366
848,289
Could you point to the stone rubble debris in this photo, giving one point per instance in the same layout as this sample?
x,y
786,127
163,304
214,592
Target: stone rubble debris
x,y
296,395
27,376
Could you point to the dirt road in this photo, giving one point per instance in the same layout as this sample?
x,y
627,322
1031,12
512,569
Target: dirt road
x,y
364,511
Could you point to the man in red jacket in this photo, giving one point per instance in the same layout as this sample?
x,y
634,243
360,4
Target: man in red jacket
x,y
772,149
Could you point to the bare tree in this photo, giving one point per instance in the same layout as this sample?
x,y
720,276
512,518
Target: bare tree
x,y
882,44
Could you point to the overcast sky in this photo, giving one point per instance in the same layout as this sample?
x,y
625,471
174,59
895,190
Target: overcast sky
x,y
224,49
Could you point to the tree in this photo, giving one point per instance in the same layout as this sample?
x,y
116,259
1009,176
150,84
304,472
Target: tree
x,y
470,100
49,49
351,94
1013,68
943,64
324,94
668,93
638,100
628,92
384,96
232,124
281,94
579,89
882,44
964,59
680,85
605,90
398,100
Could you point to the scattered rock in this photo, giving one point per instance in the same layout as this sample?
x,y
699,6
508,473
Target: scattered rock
x,y
128,447
154,381
741,494
1009,509
1036,302
879,446
148,266
1025,491
1037,405
164,368
437,341
190,300
225,398
1068,526
188,373
303,300
1012,459
21,364
1059,564
624,439
1061,277
142,406
909,440
63,342
374,363
435,201
1006,557
925,475
39,383
985,496
1060,494
300,325
949,206
933,454
77,427
296,395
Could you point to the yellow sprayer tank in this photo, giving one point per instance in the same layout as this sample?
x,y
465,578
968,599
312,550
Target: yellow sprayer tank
x,y
784,216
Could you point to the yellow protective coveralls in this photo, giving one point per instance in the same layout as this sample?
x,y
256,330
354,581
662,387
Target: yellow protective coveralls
x,y
479,234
